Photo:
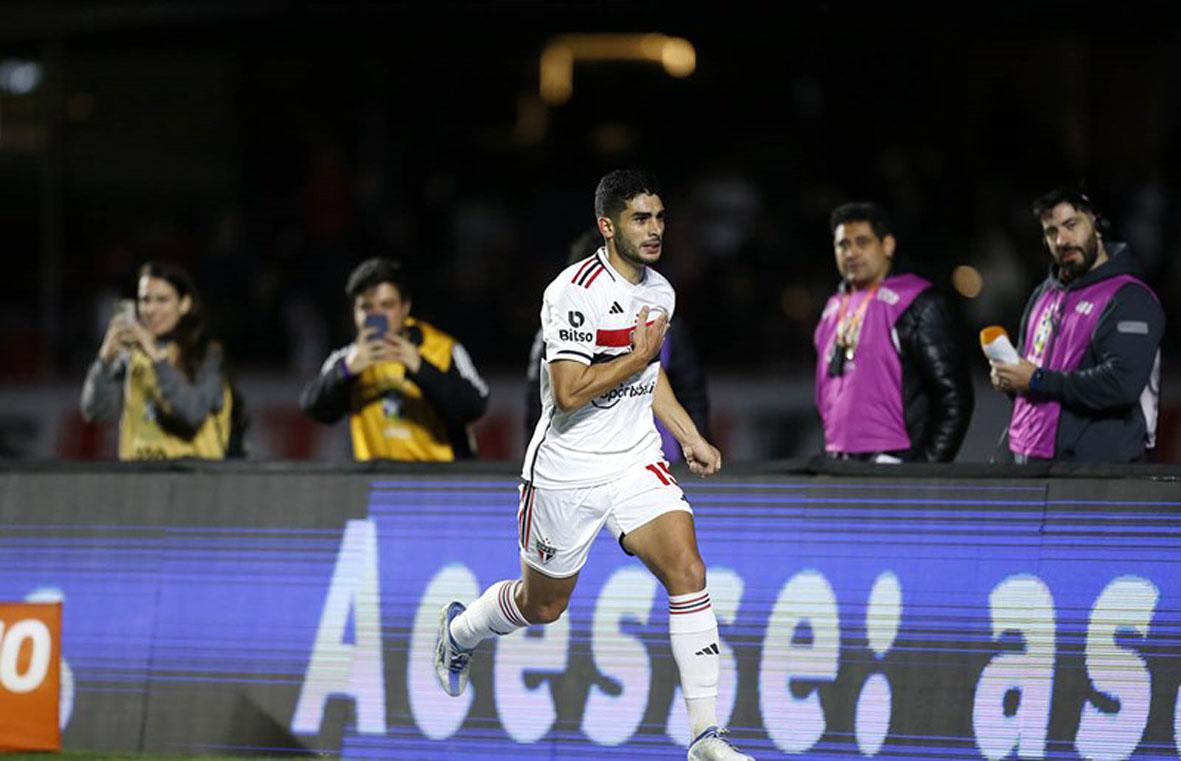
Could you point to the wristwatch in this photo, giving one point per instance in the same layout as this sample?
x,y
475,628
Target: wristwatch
x,y
1035,380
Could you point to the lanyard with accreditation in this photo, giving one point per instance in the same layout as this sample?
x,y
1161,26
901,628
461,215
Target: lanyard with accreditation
x,y
844,346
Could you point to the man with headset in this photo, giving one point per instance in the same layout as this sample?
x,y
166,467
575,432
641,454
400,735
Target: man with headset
x,y
1087,385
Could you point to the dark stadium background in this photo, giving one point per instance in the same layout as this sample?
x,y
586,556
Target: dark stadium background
x,y
268,146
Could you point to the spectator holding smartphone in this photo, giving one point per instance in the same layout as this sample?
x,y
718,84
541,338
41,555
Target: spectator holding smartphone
x,y
411,391
161,374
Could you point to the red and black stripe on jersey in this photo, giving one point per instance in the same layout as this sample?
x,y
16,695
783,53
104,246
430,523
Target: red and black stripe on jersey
x,y
614,339
589,271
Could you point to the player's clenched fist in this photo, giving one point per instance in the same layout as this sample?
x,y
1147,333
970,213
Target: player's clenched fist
x,y
648,337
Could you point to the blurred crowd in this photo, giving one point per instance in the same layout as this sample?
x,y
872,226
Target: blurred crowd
x,y
751,261
269,154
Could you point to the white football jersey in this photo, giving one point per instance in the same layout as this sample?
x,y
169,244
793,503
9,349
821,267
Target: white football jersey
x,y
587,314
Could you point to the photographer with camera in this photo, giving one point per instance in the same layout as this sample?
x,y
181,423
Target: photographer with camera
x,y
411,391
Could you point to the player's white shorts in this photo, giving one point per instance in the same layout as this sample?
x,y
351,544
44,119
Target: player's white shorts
x,y
556,527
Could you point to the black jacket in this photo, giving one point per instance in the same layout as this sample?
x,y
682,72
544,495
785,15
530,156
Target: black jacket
x,y
1109,401
937,393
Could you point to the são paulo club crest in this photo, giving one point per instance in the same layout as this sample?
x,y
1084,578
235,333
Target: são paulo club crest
x,y
545,550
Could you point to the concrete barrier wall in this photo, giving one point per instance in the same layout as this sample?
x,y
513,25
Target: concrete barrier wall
x,y
926,613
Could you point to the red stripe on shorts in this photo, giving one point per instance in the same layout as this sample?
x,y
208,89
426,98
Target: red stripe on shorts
x,y
529,517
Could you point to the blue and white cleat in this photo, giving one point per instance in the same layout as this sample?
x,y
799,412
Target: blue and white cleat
x,y
711,745
452,662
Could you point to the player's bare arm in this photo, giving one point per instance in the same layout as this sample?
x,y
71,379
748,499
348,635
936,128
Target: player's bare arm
x,y
703,458
575,384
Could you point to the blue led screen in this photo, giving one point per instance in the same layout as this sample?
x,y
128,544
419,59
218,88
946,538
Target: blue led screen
x,y
894,618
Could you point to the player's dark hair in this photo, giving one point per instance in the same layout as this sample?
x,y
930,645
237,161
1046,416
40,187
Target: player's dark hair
x,y
373,272
1074,196
862,211
620,186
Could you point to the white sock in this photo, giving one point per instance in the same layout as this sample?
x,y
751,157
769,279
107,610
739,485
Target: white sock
x,y
693,635
494,612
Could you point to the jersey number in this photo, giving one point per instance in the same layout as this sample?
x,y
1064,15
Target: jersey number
x,y
661,471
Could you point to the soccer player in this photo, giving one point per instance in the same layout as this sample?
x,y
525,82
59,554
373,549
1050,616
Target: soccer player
x,y
595,459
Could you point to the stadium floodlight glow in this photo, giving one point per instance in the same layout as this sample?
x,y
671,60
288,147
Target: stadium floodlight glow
x,y
19,77
675,54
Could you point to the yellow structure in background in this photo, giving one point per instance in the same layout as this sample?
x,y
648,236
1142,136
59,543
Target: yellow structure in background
x,y
675,54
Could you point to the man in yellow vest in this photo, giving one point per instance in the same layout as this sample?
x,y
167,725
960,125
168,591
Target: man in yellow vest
x,y
411,391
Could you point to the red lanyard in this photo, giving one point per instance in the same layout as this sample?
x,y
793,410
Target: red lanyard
x,y
849,331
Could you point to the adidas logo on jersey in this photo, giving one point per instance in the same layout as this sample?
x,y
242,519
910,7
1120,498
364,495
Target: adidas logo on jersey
x,y
615,308
711,650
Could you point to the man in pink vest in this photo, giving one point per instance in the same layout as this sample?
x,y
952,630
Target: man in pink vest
x,y
892,382
1087,386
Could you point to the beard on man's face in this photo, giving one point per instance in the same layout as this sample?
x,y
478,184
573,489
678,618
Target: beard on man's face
x,y
1076,266
629,252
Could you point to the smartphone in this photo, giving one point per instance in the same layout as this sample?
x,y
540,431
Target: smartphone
x,y
380,324
125,309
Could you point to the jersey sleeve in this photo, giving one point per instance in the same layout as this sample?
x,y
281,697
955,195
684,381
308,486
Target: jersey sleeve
x,y
569,319
664,299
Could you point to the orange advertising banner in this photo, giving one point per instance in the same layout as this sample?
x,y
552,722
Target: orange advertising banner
x,y
30,675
